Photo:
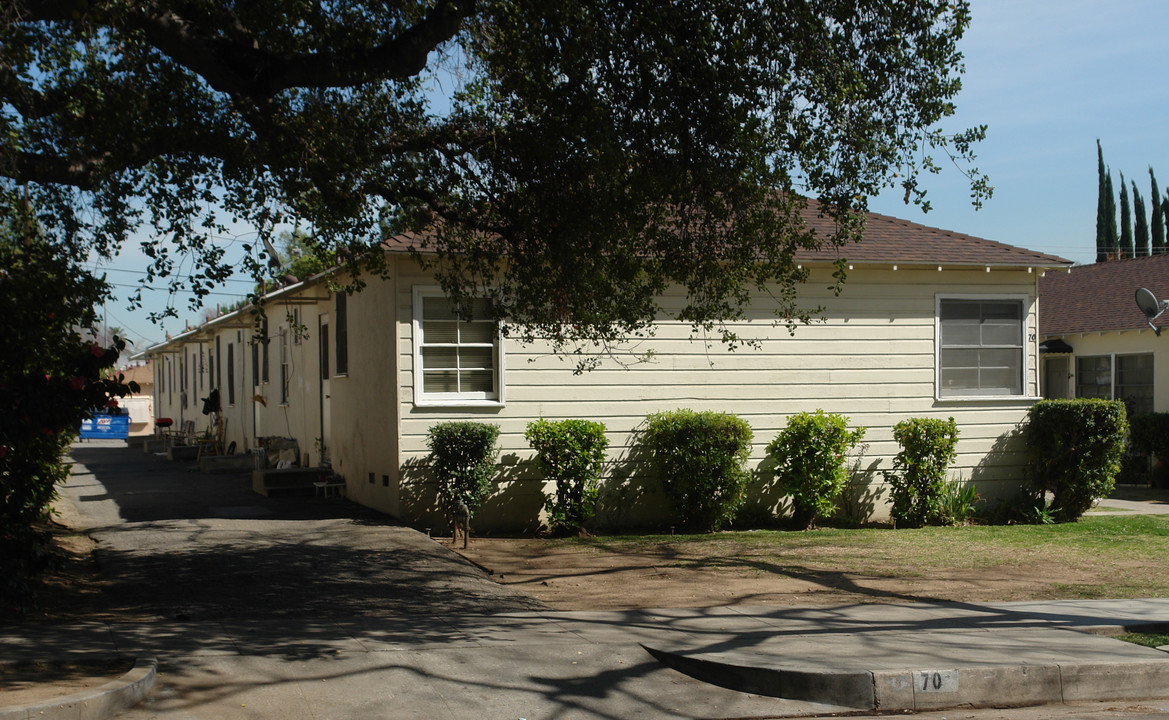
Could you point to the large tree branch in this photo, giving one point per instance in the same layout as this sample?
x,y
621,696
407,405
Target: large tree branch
x,y
234,63
43,169
86,171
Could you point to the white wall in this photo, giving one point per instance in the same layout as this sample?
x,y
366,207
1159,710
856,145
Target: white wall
x,y
872,360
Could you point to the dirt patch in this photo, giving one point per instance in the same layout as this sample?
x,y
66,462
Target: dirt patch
x,y
574,577
27,683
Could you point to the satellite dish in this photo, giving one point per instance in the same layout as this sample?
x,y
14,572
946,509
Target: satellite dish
x,y
1152,309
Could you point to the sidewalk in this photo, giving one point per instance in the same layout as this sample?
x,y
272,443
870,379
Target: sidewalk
x,y
592,665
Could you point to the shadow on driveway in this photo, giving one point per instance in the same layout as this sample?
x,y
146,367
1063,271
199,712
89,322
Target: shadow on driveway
x,y
177,544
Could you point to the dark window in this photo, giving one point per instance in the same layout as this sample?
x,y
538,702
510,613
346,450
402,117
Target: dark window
x,y
231,373
342,332
255,364
1134,383
264,350
285,367
324,345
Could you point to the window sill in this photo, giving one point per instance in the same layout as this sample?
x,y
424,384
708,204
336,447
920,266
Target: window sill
x,y
456,403
986,398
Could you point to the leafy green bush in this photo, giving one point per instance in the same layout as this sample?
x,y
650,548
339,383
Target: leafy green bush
x,y
809,456
463,457
700,459
1075,448
918,480
51,378
572,453
1150,434
959,503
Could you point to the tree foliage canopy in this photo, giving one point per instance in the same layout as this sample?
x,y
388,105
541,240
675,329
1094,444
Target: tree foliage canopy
x,y
571,159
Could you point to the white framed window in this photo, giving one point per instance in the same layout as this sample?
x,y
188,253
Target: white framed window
x,y
457,361
981,346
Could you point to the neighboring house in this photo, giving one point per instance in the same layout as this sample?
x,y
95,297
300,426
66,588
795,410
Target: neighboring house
x,y
930,323
1097,342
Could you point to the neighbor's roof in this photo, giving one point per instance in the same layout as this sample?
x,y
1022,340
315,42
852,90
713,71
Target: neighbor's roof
x,y
1101,297
887,241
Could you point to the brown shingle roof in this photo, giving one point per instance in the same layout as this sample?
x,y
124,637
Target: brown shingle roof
x,y
892,240
887,240
1100,297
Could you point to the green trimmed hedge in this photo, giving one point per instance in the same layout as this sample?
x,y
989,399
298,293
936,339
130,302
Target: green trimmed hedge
x,y
463,455
1075,449
572,454
700,458
809,457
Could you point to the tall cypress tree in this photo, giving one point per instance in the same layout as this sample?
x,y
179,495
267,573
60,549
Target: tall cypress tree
x,y
1157,221
1165,213
1102,198
1111,238
1141,231
1126,248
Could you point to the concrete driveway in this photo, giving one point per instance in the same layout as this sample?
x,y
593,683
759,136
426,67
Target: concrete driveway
x,y
174,544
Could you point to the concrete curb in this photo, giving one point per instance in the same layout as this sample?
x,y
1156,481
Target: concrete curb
x,y
93,704
935,689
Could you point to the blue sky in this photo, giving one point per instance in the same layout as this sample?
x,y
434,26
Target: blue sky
x,y
1049,77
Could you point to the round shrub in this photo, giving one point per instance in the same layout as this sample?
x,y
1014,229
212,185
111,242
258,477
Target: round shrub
x,y
1075,449
918,480
572,454
809,457
463,454
700,458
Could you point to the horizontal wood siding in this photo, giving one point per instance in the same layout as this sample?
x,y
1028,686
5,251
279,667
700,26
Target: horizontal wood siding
x,y
871,358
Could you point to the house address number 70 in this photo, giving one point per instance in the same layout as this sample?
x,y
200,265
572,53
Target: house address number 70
x,y
937,681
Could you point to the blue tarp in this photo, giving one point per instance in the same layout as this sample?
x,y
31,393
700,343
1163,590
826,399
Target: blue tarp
x,y
109,427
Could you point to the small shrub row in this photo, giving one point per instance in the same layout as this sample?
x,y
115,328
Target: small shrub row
x,y
571,452
1075,448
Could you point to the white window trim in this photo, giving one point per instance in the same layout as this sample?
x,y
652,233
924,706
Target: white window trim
x,y
422,399
1030,346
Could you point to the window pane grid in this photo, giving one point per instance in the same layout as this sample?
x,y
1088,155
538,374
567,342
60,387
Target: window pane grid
x,y
981,347
457,356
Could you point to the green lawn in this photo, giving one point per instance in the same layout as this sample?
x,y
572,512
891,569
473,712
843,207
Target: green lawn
x,y
1101,556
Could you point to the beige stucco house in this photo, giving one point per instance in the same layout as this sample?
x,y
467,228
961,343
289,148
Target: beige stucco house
x,y
1097,342
930,323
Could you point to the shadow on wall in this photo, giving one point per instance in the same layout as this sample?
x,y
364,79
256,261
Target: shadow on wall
x,y
516,502
858,503
766,502
514,505
1001,474
631,496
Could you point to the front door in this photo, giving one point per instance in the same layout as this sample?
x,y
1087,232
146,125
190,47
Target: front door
x,y
1056,378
